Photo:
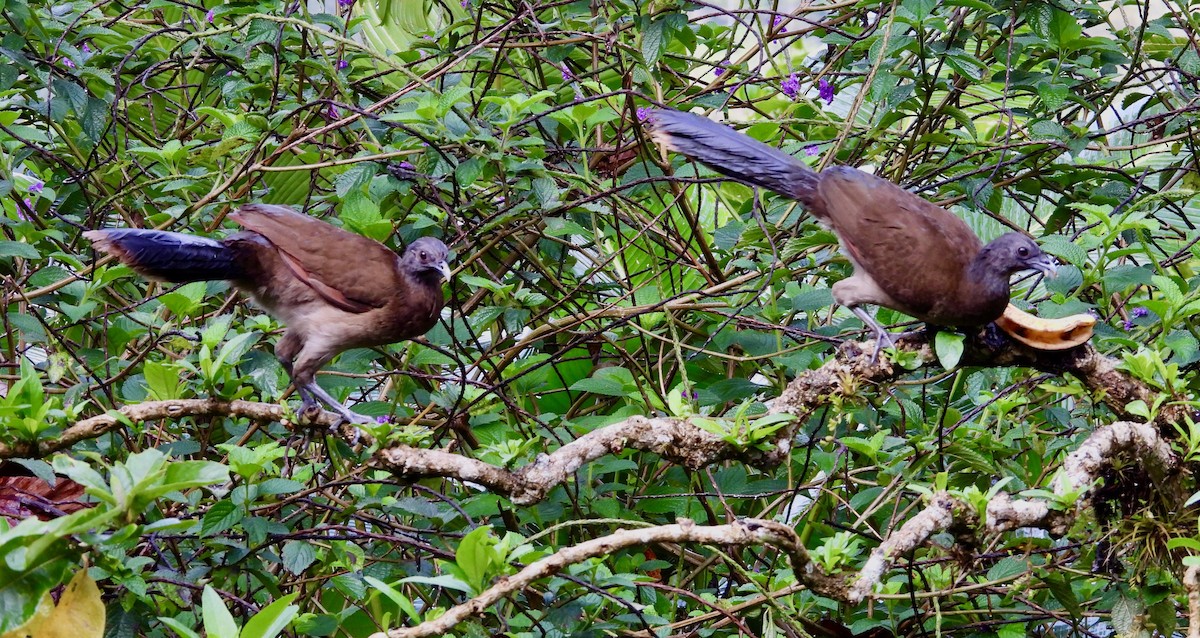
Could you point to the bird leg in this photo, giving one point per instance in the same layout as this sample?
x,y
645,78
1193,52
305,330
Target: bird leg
x,y
882,336
301,365
314,390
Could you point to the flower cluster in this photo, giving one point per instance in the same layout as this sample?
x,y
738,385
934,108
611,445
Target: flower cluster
x,y
1137,312
791,86
826,90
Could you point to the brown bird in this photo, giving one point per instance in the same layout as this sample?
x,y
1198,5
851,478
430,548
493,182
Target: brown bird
x,y
334,290
908,254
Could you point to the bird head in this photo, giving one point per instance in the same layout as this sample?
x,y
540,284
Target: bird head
x,y
1013,252
427,255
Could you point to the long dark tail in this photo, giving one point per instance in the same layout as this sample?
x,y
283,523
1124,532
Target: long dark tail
x,y
167,256
733,154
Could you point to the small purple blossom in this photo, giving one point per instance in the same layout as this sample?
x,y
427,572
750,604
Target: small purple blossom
x,y
1140,312
1128,325
333,112
382,419
777,21
791,86
341,64
466,4
86,48
721,68
826,90
37,186
67,62
812,149
567,76
21,214
345,4
642,113
210,16
407,165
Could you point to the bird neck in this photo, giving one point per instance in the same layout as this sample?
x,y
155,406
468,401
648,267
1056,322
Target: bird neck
x,y
986,277
427,278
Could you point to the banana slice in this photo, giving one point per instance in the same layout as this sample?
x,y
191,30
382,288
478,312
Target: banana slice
x,y
1046,334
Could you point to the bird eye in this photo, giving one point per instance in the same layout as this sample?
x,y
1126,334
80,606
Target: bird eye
x,y
1023,251
425,255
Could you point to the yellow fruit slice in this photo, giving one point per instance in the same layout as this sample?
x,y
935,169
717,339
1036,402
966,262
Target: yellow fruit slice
x,y
1046,334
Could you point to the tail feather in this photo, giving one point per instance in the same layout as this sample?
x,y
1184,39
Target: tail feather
x,y
167,256
733,154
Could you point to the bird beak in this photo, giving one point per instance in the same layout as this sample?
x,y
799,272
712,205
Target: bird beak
x,y
1044,264
444,268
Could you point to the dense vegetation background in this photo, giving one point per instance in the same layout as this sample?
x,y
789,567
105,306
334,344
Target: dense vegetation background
x,y
597,279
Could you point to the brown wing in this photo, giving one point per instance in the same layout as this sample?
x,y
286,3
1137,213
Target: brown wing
x,y
348,270
914,250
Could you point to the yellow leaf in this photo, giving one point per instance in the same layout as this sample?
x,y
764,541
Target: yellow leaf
x,y
79,613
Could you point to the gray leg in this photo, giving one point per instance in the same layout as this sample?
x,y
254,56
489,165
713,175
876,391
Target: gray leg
x,y
882,337
333,404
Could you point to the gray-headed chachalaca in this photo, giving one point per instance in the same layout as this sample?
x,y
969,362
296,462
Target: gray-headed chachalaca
x,y
908,254
334,290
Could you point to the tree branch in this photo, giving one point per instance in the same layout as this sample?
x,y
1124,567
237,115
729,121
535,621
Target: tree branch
x,y
748,531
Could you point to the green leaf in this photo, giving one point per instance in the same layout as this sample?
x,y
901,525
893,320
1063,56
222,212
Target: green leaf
x,y
218,622
272,619
613,382
1064,28
949,348
221,516
297,556
653,41
162,380
18,249
1060,587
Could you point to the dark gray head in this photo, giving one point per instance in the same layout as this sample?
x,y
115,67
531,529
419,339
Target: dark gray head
x,y
1014,252
426,256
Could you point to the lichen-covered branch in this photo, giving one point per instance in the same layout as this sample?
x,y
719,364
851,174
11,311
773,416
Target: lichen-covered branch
x,y
1082,468
676,440
738,534
93,427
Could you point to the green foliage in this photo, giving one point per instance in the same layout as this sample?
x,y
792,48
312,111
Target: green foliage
x,y
598,279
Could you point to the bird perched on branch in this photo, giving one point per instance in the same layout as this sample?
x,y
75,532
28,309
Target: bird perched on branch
x,y
908,254
334,290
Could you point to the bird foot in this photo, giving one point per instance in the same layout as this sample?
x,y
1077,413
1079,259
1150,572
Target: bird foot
x,y
993,338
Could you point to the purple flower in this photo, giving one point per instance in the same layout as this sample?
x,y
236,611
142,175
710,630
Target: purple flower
x,y
567,76
1128,325
791,86
37,186
86,48
1140,312
811,149
407,165
67,62
642,113
345,4
341,64
382,419
466,4
333,112
777,21
721,68
826,91
209,16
